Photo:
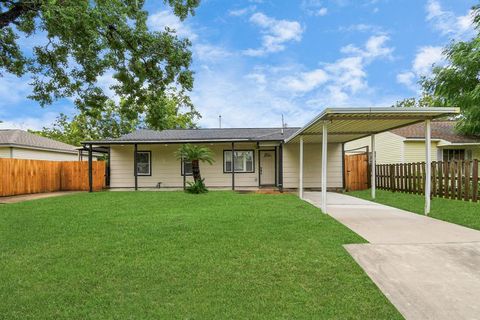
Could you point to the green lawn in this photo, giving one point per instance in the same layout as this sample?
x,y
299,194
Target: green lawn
x,y
456,211
163,255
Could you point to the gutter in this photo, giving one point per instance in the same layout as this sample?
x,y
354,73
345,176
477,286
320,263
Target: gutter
x,y
24,146
175,141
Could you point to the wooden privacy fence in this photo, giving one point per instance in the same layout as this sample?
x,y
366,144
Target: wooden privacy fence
x,y
450,179
19,176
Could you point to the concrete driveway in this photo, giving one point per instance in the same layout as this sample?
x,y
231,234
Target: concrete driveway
x,y
429,269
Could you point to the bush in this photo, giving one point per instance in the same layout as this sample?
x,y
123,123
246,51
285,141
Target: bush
x,y
196,187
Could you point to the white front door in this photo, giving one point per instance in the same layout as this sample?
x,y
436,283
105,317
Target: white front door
x,y
267,167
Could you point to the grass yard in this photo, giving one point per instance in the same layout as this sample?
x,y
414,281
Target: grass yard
x,y
456,211
164,255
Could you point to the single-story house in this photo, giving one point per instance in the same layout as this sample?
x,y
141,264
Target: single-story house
x,y
407,144
20,144
287,158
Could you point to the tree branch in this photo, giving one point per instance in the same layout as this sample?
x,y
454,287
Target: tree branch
x,y
16,11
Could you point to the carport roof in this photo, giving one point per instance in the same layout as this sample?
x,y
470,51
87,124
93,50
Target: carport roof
x,y
346,124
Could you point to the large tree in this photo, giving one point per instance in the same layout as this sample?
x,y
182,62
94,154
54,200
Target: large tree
x,y
116,119
457,83
88,39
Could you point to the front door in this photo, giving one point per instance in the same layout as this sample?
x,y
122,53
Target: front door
x,y
267,167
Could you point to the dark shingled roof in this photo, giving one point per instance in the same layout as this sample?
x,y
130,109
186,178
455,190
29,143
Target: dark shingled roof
x,y
444,130
20,138
224,134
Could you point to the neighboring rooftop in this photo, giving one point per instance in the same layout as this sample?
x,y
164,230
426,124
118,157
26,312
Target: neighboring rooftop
x,y
205,135
444,130
24,139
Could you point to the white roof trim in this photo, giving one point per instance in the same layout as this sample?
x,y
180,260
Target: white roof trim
x,y
434,112
459,144
21,146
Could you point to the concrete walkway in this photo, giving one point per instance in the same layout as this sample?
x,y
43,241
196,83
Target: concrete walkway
x,y
429,269
34,196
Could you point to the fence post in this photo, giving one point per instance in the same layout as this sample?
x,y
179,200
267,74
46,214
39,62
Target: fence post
x,y
90,169
475,181
459,180
392,177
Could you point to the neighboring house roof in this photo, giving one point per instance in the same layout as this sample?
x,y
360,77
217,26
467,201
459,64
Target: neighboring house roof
x,y
24,139
205,135
444,130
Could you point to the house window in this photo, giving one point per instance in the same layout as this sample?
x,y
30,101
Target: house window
x,y
455,154
187,168
144,163
243,161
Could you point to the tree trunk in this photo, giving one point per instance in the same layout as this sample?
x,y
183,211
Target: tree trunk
x,y
196,170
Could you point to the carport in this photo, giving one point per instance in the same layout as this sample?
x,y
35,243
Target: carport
x,y
341,125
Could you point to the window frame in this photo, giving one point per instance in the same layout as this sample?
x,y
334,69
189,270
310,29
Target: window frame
x,y
182,169
233,164
454,151
149,163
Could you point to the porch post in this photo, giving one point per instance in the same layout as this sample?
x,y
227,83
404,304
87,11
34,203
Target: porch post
x,y
300,182
324,166
373,181
233,165
428,165
90,168
135,165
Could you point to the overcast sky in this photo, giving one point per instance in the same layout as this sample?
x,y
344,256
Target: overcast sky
x,y
255,60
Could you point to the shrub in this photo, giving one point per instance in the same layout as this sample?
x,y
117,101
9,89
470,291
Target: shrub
x,y
196,187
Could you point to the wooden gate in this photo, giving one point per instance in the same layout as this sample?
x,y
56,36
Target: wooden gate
x,y
356,172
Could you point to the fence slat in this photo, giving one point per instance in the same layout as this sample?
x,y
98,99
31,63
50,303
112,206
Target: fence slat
x,y
452,180
466,195
459,180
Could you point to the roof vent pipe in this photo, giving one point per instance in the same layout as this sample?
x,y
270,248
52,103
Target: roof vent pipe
x,y
283,125
220,121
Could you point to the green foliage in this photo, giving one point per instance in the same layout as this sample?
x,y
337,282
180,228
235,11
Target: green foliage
x,y
191,152
112,121
423,102
457,84
196,187
86,40
195,154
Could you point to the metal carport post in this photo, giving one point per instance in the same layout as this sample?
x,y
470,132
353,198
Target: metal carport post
x,y
428,165
324,166
373,170
300,182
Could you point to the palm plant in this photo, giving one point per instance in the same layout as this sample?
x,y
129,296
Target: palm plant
x,y
195,154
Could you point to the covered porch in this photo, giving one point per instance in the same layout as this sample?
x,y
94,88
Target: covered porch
x,y
341,125
154,166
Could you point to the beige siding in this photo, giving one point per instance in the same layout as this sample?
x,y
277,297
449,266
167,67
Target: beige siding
x,y
312,165
166,168
415,151
389,147
476,153
5,152
32,154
